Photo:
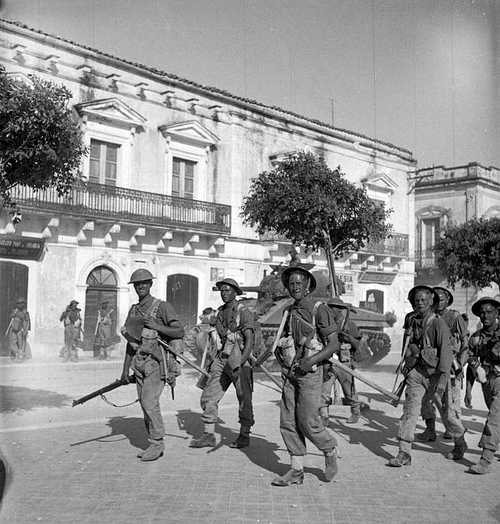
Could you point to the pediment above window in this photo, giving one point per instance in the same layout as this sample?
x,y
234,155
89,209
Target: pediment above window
x,y
111,110
18,76
433,212
379,182
191,132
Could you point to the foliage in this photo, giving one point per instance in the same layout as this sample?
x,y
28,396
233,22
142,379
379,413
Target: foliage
x,y
390,317
380,345
314,206
40,142
470,253
302,199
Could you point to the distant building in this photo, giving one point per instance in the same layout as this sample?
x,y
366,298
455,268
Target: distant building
x,y
445,195
170,162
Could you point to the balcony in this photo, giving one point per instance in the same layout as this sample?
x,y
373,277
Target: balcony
x,y
425,259
395,245
119,204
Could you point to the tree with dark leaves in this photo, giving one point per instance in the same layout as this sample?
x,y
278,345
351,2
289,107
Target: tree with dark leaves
x,y
469,253
314,206
40,142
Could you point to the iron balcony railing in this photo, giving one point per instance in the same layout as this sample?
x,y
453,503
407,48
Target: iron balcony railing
x,y
425,258
397,244
98,201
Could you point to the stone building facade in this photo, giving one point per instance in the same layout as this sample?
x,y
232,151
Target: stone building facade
x,y
451,195
170,162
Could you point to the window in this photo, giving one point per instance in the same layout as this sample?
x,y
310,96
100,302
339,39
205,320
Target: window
x,y
103,162
430,233
183,178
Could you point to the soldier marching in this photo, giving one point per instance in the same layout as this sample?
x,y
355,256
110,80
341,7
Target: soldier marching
x,y
315,344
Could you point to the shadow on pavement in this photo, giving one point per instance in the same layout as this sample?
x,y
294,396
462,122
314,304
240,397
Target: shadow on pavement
x,y
14,398
383,431
261,452
131,428
5,477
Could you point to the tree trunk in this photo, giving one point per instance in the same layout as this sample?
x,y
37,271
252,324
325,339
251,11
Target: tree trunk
x,y
331,267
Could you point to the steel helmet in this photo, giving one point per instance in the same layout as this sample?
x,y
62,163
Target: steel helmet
x,y
140,275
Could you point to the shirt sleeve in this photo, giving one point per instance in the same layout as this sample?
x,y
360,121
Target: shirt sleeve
x,y
166,313
460,328
325,322
246,319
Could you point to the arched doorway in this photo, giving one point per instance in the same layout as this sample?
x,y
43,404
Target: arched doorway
x,y
102,286
13,285
182,293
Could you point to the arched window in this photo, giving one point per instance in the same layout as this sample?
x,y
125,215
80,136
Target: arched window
x,y
102,287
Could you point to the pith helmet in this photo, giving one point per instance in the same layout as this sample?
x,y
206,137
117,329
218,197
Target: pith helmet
x,y
230,282
446,292
476,307
413,291
140,275
285,276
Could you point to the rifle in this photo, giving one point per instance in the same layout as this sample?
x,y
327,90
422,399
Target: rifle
x,y
8,327
391,396
110,387
266,372
402,361
183,358
264,356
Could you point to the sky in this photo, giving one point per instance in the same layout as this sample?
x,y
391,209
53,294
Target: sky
x,y
421,74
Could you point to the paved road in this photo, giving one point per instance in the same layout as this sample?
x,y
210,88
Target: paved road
x,y
78,465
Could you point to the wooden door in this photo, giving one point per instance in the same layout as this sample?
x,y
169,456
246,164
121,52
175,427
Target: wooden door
x,y
13,286
182,293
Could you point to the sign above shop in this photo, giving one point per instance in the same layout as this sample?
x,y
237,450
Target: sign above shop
x,y
26,248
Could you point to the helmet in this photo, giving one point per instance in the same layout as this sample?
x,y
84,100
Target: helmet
x,y
230,282
140,275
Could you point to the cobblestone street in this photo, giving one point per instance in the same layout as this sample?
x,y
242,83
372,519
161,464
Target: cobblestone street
x,y
79,465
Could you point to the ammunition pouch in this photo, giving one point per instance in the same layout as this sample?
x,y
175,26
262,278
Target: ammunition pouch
x,y
231,350
285,352
429,356
313,346
411,356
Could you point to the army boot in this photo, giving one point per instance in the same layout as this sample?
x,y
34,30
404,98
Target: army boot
x,y
331,467
355,414
484,464
292,476
447,435
402,459
207,440
243,440
429,435
154,451
457,453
